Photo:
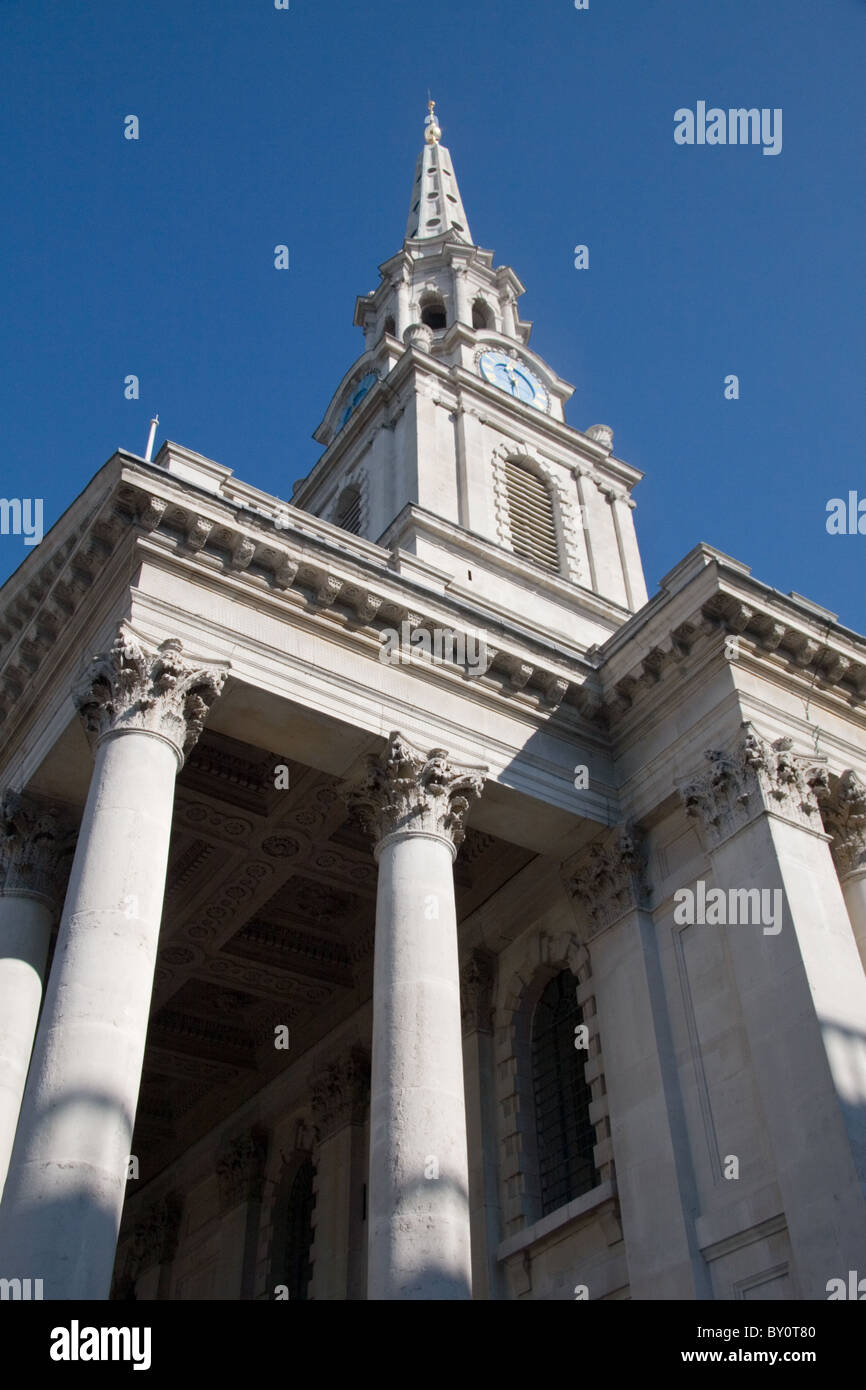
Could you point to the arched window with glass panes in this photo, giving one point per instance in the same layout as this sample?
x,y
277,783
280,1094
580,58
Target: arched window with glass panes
x,y
564,1134
293,1230
531,516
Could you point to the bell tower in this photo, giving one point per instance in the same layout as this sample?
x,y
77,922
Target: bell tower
x,y
446,440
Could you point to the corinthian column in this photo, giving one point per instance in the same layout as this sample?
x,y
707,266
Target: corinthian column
x,y
34,852
419,1241
462,307
844,815
144,710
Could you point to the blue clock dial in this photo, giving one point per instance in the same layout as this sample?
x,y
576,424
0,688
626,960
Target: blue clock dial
x,y
360,391
514,377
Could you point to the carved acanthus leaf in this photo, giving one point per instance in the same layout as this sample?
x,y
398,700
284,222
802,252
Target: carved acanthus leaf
x,y
155,1236
240,1169
157,691
36,847
609,880
476,992
844,816
341,1092
404,789
755,776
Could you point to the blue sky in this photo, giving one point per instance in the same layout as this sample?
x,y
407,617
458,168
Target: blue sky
x,y
259,127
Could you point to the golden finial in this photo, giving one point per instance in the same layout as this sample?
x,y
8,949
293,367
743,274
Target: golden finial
x,y
432,134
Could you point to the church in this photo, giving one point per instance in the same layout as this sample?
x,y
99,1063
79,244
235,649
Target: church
x,y
398,904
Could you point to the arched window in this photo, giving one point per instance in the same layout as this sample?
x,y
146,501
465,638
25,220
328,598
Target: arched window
x,y
390,325
481,316
433,311
564,1134
530,516
349,509
293,1231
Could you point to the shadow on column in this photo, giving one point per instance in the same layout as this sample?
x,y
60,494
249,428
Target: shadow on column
x,y
72,1235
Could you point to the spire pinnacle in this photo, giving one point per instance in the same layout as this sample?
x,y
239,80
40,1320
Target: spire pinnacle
x,y
432,134
436,203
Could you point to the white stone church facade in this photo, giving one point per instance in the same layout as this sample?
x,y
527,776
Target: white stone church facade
x,y
329,976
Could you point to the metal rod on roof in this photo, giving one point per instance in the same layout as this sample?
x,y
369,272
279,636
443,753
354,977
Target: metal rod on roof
x,y
150,438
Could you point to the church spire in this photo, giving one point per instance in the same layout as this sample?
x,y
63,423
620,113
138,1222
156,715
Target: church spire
x,y
436,205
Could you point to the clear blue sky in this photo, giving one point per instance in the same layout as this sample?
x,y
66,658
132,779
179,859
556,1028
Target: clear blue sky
x,y
260,126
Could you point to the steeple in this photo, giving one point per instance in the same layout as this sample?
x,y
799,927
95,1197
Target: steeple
x,y
446,440
436,205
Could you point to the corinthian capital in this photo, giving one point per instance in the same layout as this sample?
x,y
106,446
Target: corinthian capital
x,y
406,791
844,814
134,686
754,776
240,1169
341,1092
609,880
155,1236
36,848
476,992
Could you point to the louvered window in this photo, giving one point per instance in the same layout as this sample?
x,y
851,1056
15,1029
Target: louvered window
x,y
564,1134
349,510
530,515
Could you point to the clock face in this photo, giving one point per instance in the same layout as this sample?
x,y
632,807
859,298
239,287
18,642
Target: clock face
x,y
358,395
514,377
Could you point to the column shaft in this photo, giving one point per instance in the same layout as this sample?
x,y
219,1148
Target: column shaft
x,y
854,893
462,306
25,929
419,1198
67,1179
35,850
403,318
419,1238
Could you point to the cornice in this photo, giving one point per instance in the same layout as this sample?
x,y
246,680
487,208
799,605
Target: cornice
x,y
776,637
299,563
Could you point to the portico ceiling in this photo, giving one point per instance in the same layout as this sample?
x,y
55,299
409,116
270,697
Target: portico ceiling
x,y
268,920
